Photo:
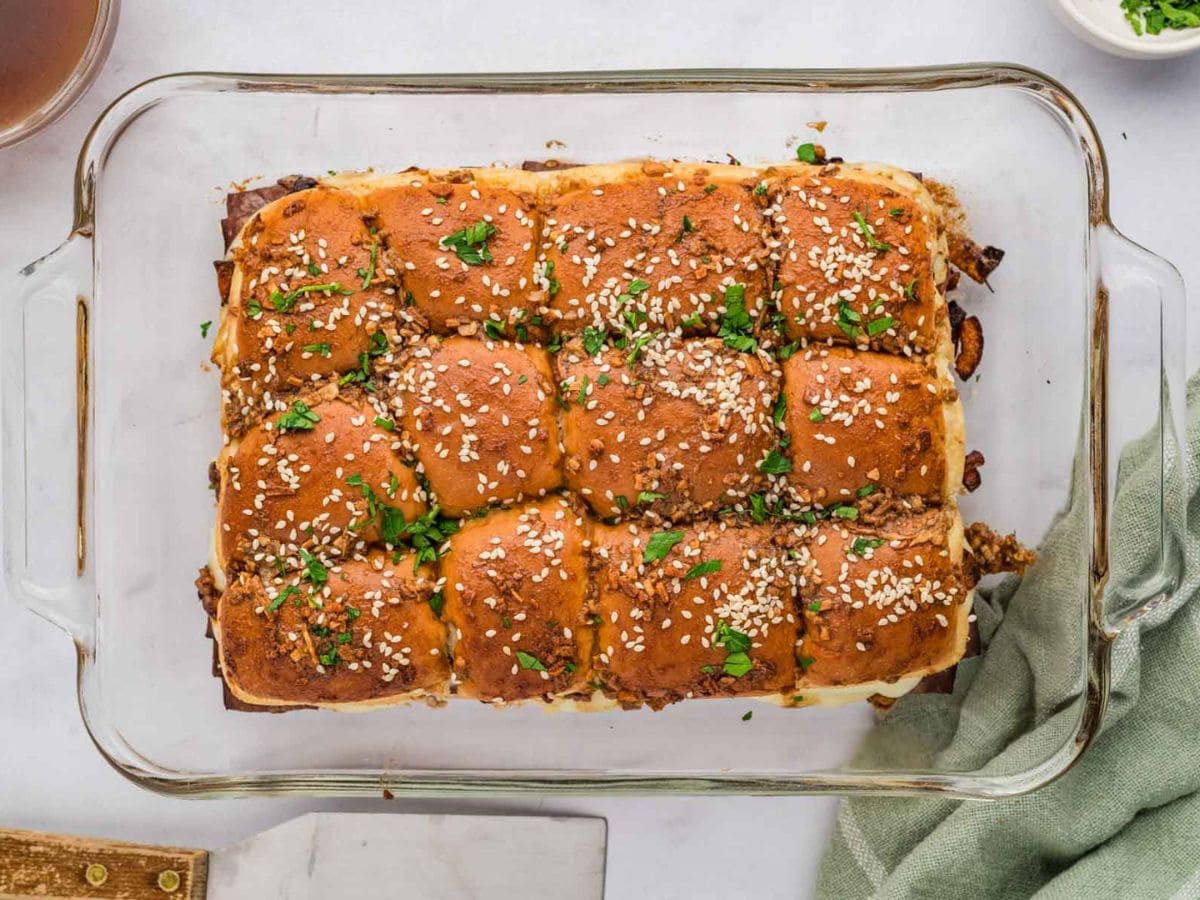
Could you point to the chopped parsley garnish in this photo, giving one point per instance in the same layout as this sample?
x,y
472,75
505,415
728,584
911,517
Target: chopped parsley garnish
x,y
204,326
522,379
634,289
639,342
385,424
322,349
660,544
427,533
758,508
552,282
314,570
805,661
687,228
693,321
437,601
868,234
708,670
493,329
895,212
622,501
352,613
732,640
736,324
844,512
701,569
313,269
330,657
814,605
650,496
879,326
848,319
581,397
748,715
866,490
709,188
602,379
780,409
787,351
910,290
570,666
470,244
529,661
737,664
815,415
775,464
253,308
807,153
370,273
391,523
862,545
284,302
298,418
593,340
283,595
760,189
1155,16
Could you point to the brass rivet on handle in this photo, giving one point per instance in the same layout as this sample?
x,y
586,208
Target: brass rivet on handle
x,y
95,874
169,881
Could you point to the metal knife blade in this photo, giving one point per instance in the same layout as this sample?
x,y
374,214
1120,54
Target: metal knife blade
x,y
362,856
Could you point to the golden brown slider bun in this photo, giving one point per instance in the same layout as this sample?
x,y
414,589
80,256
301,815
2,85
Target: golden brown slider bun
x,y
675,425
310,291
464,243
348,634
663,240
861,257
702,611
868,421
516,588
321,474
479,415
892,600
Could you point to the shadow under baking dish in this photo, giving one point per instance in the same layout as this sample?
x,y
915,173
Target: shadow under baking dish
x,y
136,412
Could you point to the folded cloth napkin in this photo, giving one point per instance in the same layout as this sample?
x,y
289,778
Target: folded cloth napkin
x,y
1125,820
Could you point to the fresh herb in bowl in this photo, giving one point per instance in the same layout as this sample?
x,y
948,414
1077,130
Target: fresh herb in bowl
x,y
1155,16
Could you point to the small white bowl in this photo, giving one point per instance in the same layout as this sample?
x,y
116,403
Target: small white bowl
x,y
1102,24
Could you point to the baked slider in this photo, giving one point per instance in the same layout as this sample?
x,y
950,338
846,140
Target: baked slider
x,y
652,242
517,604
345,634
310,295
702,611
892,606
464,242
861,258
480,417
663,423
862,422
325,474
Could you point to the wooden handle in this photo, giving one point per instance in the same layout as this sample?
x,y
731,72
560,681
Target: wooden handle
x,y
55,867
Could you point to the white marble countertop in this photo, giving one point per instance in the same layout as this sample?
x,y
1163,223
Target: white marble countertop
x,y
1148,114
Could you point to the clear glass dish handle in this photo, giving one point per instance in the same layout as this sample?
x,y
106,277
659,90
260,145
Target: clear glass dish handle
x,y
43,341
1149,470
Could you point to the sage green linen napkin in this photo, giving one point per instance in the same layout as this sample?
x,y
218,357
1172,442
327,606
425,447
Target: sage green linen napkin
x,y
1125,821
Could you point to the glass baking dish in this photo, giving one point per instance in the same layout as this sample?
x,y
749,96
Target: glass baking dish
x,y
111,410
